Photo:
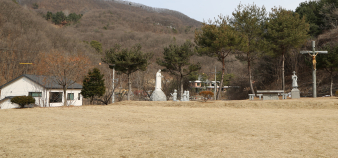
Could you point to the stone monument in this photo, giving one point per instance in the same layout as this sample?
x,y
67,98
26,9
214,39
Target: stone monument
x,y
158,94
188,96
174,95
183,96
295,94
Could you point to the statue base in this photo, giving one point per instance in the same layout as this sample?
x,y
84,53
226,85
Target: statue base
x,y
295,94
158,95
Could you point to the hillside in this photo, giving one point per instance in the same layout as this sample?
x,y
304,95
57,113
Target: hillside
x,y
121,22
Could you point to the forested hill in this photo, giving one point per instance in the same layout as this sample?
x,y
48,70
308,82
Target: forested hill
x,y
84,6
119,22
26,31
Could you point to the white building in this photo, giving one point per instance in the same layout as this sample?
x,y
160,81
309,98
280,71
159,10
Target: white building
x,y
44,89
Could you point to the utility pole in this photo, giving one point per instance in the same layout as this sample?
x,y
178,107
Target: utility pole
x,y
215,84
113,95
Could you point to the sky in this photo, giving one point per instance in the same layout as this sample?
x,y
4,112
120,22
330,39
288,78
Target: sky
x,y
208,9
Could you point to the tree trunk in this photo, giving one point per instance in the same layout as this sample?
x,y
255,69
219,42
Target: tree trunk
x,y
91,100
283,78
250,80
222,79
129,87
64,95
181,84
64,88
331,84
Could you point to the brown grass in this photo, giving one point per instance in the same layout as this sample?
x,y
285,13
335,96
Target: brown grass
x,y
285,128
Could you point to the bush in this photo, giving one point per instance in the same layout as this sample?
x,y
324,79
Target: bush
x,y
336,93
23,100
206,95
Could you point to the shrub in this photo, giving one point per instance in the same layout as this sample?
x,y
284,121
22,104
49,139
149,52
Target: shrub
x,y
336,94
35,6
206,95
23,100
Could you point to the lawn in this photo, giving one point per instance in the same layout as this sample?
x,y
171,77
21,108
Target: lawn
x,y
285,128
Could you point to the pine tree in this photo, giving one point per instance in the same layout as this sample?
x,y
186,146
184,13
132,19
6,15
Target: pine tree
x,y
250,21
176,61
218,40
285,30
127,61
93,85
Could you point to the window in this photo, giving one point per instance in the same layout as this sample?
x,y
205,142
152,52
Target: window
x,y
55,97
35,94
79,96
70,96
198,84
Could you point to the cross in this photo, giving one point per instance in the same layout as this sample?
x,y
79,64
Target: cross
x,y
313,54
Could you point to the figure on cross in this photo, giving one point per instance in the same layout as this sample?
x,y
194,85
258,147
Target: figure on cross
x,y
313,54
314,60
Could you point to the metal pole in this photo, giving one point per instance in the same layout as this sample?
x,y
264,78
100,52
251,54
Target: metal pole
x,y
314,90
215,84
113,95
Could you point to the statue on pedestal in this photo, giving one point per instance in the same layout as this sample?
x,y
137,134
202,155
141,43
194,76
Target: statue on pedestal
x,y
295,93
294,80
158,94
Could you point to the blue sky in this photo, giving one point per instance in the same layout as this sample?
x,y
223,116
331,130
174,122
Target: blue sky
x,y
208,9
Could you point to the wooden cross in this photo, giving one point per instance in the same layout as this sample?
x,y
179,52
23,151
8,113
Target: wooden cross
x,y
313,54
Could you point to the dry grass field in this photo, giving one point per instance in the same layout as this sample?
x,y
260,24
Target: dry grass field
x,y
284,128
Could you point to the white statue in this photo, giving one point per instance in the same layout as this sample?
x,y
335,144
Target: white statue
x,y
188,97
294,80
174,95
158,80
158,94
183,97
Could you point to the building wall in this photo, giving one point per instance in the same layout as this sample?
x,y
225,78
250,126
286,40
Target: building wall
x,y
22,87
74,102
7,104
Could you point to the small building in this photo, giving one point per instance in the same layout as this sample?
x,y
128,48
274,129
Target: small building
x,y
44,89
210,85
196,86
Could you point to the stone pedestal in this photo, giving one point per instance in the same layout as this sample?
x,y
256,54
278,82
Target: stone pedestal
x,y
295,94
270,96
158,95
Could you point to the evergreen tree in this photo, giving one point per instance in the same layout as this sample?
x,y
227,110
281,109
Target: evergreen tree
x,y
285,30
58,18
72,17
176,60
250,20
97,46
218,40
93,85
49,15
127,61
329,62
311,11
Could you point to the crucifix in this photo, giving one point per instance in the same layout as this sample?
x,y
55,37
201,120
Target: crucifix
x,y
313,54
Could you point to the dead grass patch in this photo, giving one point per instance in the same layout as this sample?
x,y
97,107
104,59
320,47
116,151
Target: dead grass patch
x,y
173,129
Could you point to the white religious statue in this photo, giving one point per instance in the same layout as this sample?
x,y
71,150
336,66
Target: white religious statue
x,y
294,80
158,94
188,97
174,95
158,80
